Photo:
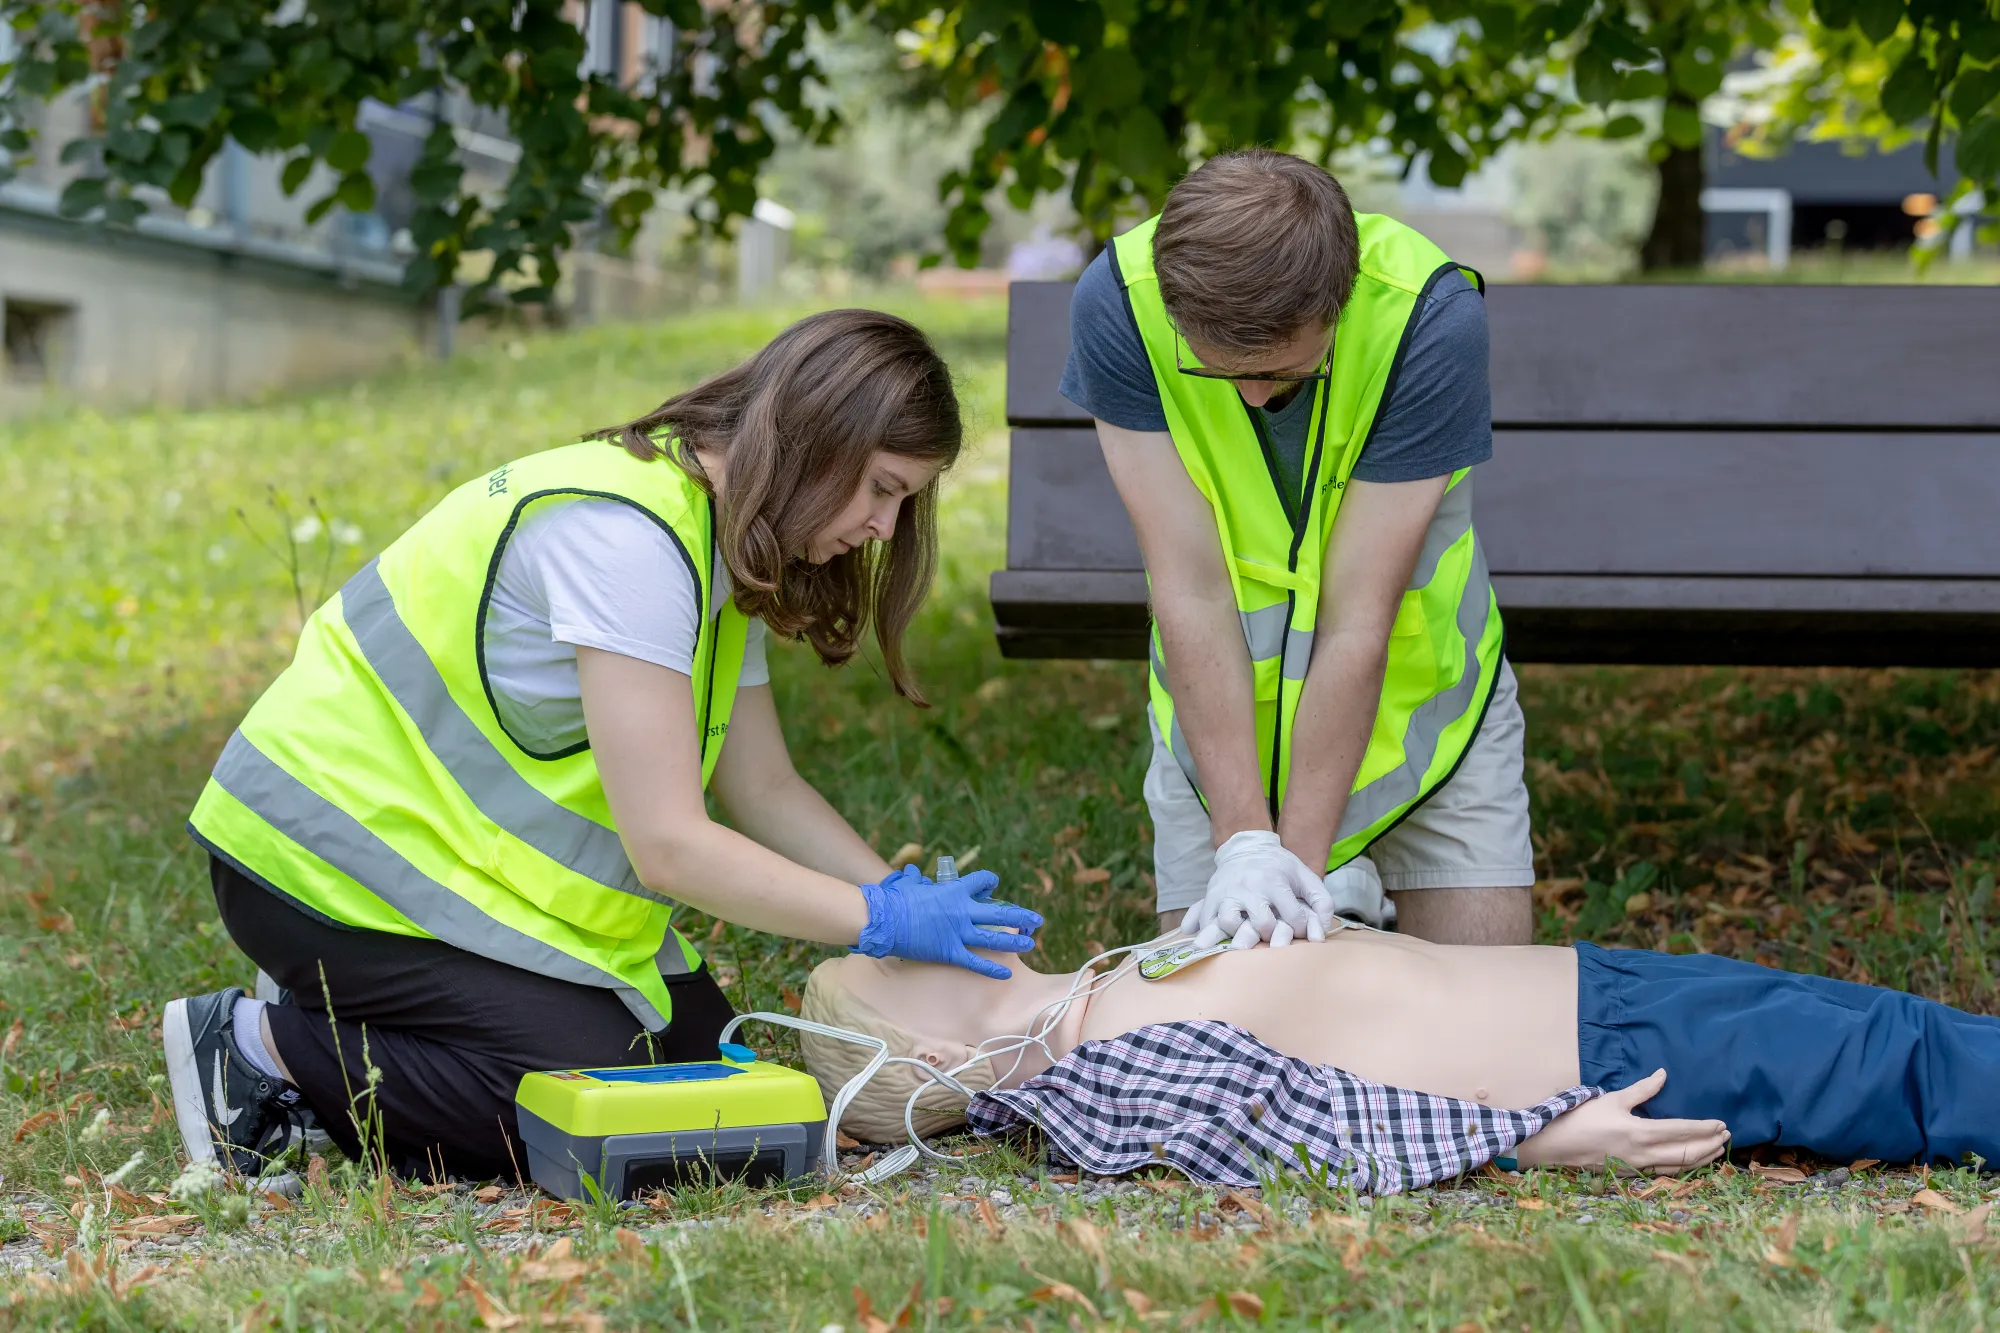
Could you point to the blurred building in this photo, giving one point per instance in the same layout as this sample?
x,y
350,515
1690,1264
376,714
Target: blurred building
x,y
237,293
1822,196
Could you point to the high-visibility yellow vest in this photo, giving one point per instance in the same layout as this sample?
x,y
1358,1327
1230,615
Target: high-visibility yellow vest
x,y
1444,650
375,784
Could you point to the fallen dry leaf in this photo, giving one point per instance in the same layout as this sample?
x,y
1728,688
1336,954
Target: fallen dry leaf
x,y
165,1224
279,1203
1241,1303
864,1314
1531,1205
818,1203
1094,875
790,999
1140,1303
1860,1164
38,1121
11,1040
908,854
842,1139
1088,1236
1780,1252
1973,1230
1680,1261
1255,1207
630,1244
1936,1202
316,1172
1062,1291
990,1218
491,1313
1779,1175
488,1193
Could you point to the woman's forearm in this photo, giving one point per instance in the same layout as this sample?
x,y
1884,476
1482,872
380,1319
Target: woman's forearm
x,y
794,820
717,870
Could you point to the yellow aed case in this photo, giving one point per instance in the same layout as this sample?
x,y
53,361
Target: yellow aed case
x,y
653,1127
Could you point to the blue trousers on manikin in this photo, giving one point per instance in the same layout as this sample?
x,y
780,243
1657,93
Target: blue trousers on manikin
x,y
1835,1067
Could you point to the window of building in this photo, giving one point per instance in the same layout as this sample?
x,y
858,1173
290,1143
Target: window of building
x,y
36,335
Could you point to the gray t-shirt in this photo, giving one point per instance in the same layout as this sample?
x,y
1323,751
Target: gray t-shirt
x,y
1436,416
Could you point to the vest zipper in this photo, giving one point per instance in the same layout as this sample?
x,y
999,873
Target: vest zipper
x,y
1299,517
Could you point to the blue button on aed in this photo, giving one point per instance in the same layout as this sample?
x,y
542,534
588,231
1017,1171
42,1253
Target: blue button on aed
x,y
742,1055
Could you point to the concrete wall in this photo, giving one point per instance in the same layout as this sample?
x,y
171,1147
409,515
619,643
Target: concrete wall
x,y
172,314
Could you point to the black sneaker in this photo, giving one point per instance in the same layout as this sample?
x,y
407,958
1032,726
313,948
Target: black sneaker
x,y
230,1113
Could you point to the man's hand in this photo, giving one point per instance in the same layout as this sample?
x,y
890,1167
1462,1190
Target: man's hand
x,y
1260,892
1609,1127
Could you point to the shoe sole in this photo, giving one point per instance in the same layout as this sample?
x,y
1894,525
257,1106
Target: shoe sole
x,y
184,1076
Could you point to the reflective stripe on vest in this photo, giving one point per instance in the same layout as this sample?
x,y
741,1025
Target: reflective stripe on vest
x,y
310,820
485,775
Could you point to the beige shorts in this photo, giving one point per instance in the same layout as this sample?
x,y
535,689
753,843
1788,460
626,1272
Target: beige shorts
x,y
1471,834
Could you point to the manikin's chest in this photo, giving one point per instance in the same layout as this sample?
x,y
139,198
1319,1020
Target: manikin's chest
x,y
1460,1022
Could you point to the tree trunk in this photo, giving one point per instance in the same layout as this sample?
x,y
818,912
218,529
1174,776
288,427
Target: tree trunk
x,y
1676,238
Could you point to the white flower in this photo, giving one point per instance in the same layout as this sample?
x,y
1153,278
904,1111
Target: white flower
x,y
131,1164
198,1179
100,1122
347,534
306,528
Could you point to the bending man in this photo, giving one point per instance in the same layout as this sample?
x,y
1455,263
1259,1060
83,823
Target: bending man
x,y
1289,399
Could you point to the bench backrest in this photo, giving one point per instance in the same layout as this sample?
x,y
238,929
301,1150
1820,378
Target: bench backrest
x,y
1707,429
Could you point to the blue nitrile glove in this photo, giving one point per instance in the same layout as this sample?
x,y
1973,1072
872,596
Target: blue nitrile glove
x,y
913,917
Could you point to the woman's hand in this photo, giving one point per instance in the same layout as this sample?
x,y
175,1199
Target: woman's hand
x,y
1607,1127
910,916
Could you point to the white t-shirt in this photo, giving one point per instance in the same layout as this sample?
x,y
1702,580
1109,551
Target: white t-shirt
x,y
597,574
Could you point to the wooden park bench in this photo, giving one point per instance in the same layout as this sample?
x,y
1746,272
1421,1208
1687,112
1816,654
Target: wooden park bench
x,y
1699,474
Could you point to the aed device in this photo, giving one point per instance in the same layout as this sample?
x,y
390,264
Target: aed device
x,y
651,1127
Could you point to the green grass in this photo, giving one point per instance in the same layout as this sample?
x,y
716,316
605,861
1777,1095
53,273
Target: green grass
x,y
1831,821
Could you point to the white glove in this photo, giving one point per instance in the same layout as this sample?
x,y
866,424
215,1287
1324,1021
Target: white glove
x,y
1259,892
1356,891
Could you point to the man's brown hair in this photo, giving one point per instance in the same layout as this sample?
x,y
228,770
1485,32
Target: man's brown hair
x,y
796,425
1252,247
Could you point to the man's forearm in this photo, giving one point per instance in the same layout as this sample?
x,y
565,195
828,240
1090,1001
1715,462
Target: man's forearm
x,y
1336,713
1214,703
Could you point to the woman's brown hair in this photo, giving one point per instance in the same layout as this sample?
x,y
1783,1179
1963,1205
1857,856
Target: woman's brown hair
x,y
796,425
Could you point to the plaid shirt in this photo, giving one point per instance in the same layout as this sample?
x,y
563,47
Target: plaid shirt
x,y
1222,1107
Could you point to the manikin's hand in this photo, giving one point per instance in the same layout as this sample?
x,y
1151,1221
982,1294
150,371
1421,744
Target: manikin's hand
x,y
1607,1128
1260,891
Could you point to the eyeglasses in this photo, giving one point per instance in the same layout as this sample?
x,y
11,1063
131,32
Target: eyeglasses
x,y
1325,371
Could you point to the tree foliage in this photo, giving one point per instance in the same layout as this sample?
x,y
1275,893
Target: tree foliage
x,y
172,80
1109,100
1113,100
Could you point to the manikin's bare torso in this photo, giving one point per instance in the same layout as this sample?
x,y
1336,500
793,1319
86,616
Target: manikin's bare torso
x,y
1495,1025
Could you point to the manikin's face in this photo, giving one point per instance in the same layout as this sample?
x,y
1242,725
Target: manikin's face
x,y
1303,355
948,1009
871,511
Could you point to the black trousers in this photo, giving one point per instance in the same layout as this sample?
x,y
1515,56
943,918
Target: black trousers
x,y
450,1031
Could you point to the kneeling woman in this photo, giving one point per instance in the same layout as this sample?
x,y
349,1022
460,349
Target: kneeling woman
x,y
453,830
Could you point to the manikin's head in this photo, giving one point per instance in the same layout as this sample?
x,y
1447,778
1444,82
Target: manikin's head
x,y
926,1011
1256,253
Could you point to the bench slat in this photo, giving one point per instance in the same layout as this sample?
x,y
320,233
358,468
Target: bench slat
x,y
1062,510
1669,622
1694,355
1728,354
1776,503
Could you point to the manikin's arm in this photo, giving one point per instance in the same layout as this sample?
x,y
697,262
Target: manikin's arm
x,y
1608,1130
